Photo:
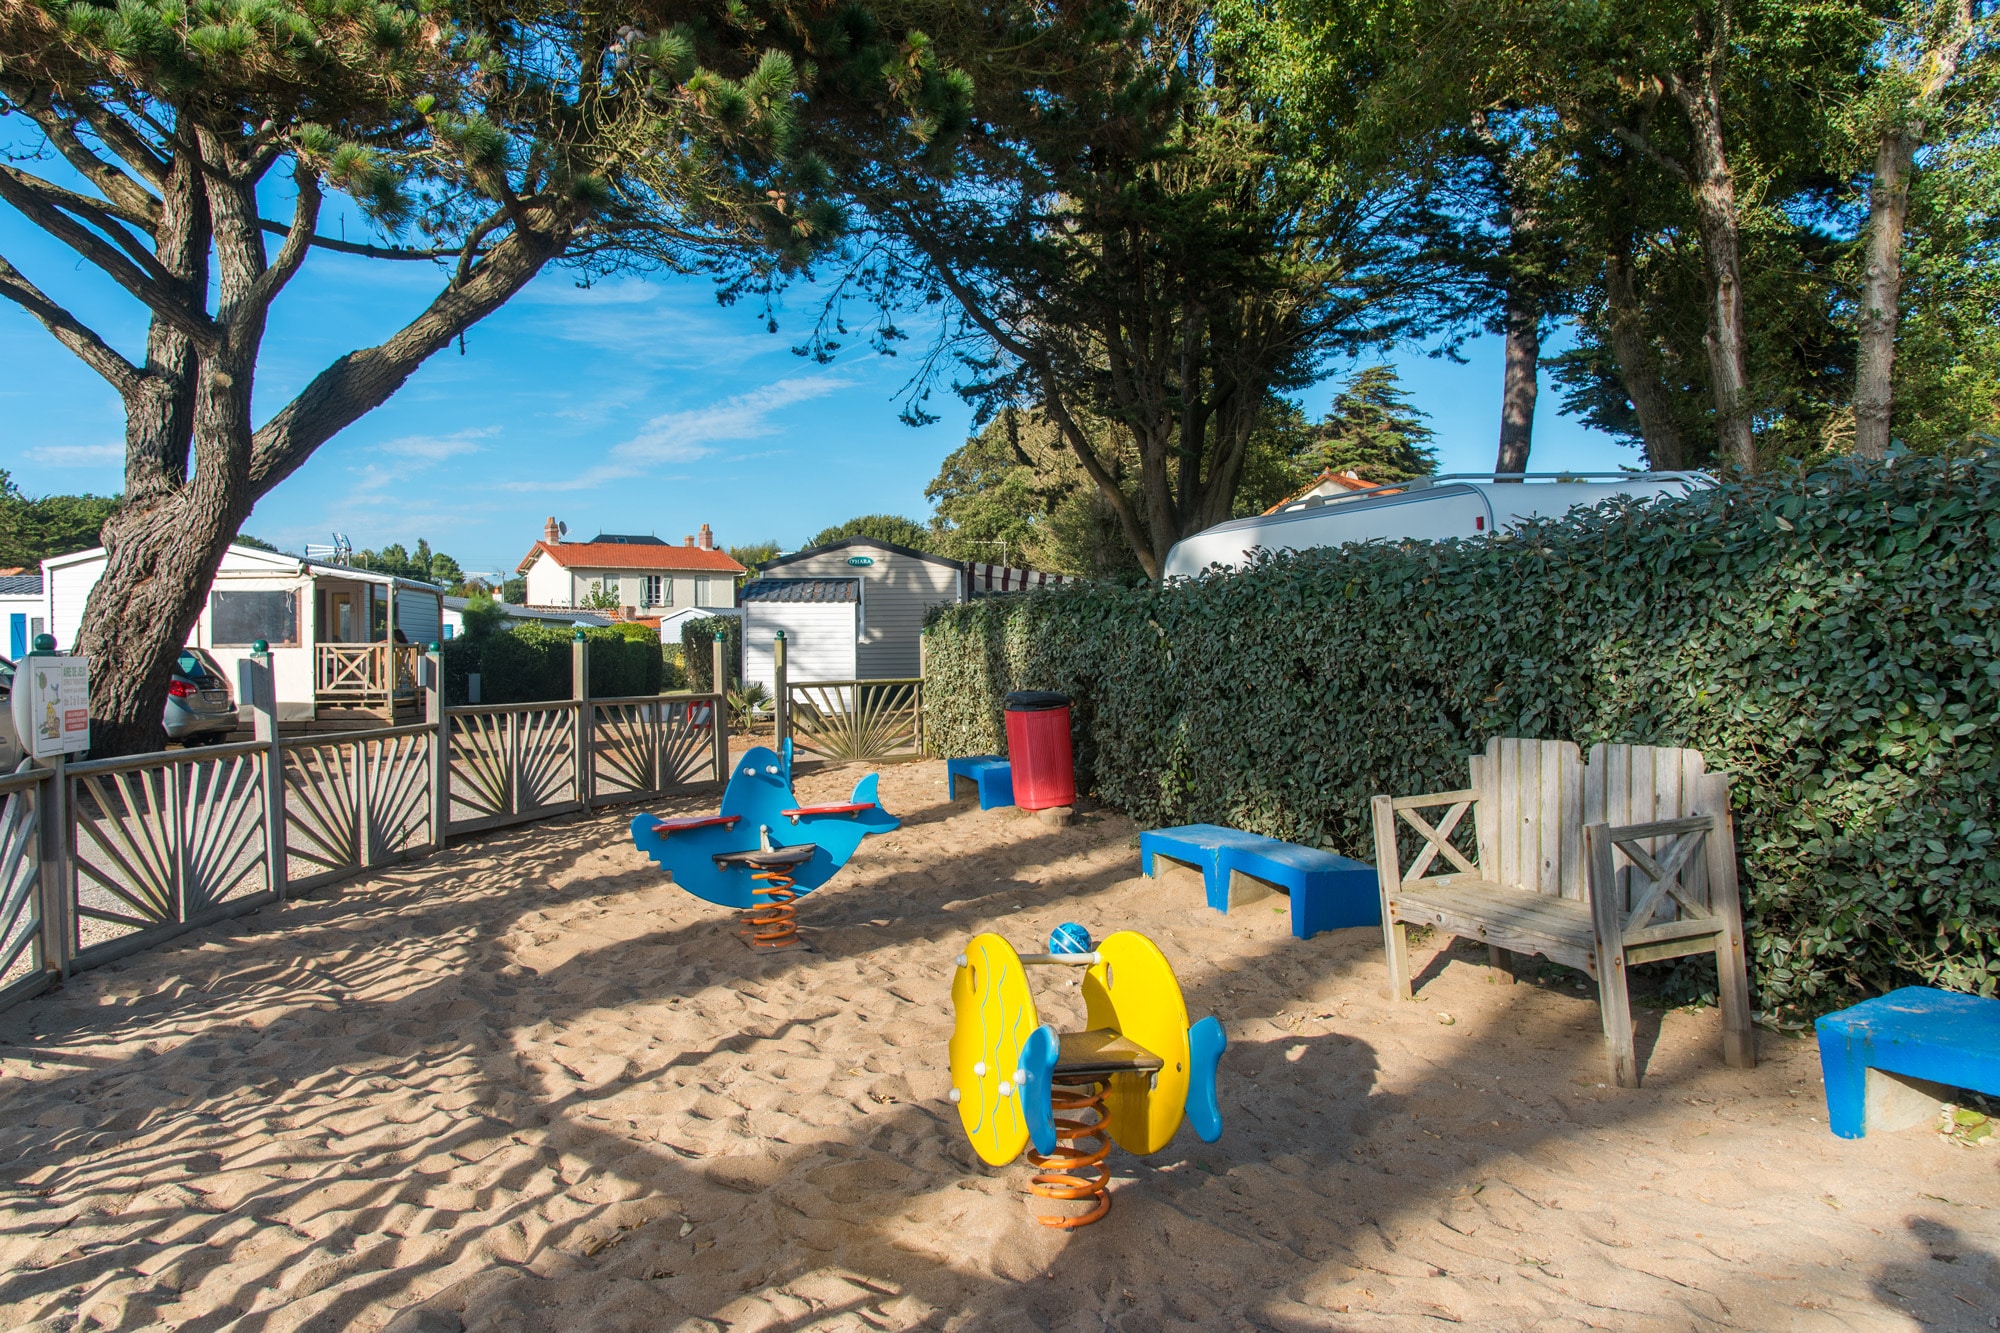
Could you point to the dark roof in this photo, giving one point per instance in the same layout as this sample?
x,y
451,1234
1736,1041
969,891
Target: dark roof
x,y
624,539
870,542
21,585
802,590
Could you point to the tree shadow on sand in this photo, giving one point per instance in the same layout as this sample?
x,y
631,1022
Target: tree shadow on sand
x,y
306,1141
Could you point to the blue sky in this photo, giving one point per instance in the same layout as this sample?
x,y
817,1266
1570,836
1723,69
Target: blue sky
x,y
637,405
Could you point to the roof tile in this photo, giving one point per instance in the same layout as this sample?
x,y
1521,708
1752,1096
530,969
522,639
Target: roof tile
x,y
623,555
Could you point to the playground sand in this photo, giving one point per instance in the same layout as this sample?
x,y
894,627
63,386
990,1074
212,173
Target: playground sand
x,y
528,1085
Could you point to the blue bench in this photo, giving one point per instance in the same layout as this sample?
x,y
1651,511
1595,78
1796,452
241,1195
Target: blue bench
x,y
1890,1061
993,776
1328,892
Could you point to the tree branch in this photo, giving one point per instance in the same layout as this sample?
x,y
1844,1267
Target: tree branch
x,y
162,293
106,218
115,183
357,247
362,380
292,253
95,352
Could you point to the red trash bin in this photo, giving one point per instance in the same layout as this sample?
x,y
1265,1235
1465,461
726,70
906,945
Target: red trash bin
x,y
1038,750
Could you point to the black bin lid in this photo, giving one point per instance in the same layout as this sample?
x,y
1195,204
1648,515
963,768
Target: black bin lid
x,y
1036,701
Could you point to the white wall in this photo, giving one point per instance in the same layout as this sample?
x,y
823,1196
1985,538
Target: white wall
x,y
819,640
419,615
895,592
65,589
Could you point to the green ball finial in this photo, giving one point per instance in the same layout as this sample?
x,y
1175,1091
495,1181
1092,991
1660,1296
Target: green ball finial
x,y
45,643
261,648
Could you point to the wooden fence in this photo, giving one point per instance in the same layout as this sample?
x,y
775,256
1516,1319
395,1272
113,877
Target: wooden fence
x,y
104,858
849,721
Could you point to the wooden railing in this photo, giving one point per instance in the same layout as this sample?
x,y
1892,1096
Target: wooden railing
x,y
362,671
103,858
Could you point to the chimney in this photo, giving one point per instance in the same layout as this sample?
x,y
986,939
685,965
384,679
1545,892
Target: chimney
x,y
550,533
687,541
707,538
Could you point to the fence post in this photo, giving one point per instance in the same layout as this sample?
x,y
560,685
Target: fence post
x,y
780,704
52,813
257,687
718,716
579,677
440,745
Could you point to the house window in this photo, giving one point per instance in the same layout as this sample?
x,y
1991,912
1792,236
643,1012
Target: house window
x,y
701,592
239,619
653,590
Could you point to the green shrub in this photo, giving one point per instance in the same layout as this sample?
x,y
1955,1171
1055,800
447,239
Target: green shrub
x,y
530,662
1830,639
697,638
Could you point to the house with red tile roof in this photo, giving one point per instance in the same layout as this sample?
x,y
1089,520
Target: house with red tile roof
x,y
648,576
1326,485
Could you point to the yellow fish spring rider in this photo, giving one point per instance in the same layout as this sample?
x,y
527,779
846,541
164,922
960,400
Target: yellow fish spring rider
x,y
1138,1066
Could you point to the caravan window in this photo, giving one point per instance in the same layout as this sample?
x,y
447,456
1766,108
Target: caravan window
x,y
239,619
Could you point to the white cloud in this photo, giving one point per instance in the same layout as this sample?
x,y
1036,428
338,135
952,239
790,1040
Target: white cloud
x,y
80,455
437,448
641,322
679,437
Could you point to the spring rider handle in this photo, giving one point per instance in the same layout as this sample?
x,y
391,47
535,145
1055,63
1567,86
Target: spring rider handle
x,y
1037,1090
1206,1042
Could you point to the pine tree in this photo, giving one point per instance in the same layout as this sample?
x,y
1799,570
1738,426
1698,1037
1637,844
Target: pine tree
x,y
1372,431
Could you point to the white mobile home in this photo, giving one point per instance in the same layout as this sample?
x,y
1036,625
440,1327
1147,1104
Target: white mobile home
x,y
340,638
821,619
1429,509
896,586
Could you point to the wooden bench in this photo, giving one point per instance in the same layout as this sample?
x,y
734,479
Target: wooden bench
x,y
1327,892
1628,859
1891,1062
992,775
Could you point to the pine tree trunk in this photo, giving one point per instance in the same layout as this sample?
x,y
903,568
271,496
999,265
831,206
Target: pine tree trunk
x,y
1638,368
1520,383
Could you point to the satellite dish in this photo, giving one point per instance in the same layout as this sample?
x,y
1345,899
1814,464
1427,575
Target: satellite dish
x,y
562,529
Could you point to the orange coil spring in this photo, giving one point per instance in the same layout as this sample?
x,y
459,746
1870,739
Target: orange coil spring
x,y
773,923
1072,1171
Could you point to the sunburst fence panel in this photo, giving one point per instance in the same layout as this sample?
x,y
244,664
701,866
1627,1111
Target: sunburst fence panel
x,y
20,881
160,840
644,746
857,720
511,763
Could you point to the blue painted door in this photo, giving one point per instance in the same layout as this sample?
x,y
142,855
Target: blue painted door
x,y
17,635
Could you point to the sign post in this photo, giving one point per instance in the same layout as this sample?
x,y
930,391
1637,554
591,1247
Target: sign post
x,y
51,707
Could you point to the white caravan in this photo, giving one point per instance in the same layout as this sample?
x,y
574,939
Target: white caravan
x,y
1428,509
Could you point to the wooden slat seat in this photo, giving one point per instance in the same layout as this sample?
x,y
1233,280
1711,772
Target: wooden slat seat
x,y
1628,859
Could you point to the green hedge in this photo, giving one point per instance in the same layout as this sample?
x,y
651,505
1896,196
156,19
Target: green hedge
x,y
697,640
530,661
1831,639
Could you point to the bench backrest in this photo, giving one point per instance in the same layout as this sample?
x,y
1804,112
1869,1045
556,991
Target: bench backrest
x,y
1536,796
1644,784
1530,815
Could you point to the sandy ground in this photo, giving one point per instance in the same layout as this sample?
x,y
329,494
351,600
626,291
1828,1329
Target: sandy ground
x,y
528,1084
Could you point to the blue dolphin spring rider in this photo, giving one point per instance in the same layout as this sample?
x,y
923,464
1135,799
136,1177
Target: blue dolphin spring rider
x,y
763,849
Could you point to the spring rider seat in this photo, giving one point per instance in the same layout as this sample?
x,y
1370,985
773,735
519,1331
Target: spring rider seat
x,y
1138,1066
763,850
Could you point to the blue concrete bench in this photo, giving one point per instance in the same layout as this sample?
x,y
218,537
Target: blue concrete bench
x,y
1891,1061
1328,892
993,776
